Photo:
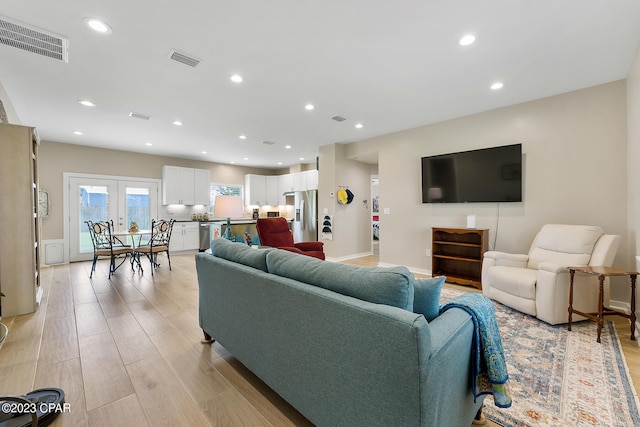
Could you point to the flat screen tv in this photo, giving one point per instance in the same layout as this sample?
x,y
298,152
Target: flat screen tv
x,y
485,175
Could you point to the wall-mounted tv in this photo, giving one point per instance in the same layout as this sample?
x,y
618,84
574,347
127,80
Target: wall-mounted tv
x,y
486,175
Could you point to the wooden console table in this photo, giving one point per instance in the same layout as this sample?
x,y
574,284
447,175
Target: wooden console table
x,y
458,253
602,273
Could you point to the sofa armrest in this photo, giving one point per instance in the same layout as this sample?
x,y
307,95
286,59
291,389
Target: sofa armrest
x,y
507,260
447,384
309,246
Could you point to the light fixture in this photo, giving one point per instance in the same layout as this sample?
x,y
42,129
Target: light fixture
x,y
246,158
86,103
243,137
279,163
77,132
148,144
97,25
203,152
497,85
177,123
301,158
236,78
309,107
467,40
359,125
288,147
228,207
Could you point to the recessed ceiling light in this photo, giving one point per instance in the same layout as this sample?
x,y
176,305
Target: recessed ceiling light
x,y
86,103
301,158
246,158
236,78
497,85
359,125
203,152
288,147
148,144
309,107
467,40
232,162
97,25
177,123
279,163
243,137
77,132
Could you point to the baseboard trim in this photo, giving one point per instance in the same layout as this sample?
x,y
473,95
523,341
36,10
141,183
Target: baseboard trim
x,y
348,257
414,270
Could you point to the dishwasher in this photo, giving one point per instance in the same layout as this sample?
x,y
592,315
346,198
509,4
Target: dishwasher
x,y
205,235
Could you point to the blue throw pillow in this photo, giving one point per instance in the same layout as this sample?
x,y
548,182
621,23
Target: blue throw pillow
x,y
426,296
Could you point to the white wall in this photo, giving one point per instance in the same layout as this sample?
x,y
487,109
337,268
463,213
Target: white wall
x,y
352,232
633,165
575,171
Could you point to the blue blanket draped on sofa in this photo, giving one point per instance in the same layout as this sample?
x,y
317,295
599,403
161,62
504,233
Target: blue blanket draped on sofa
x,y
489,370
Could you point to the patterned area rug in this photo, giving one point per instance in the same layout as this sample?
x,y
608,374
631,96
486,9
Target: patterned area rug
x,y
560,378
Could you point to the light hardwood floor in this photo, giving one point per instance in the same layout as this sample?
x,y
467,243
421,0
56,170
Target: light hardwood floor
x,y
127,352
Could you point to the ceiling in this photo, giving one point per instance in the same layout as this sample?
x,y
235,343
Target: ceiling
x,y
387,65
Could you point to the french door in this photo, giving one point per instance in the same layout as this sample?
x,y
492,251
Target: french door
x,y
107,199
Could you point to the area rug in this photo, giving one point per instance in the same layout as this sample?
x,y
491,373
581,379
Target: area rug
x,y
560,378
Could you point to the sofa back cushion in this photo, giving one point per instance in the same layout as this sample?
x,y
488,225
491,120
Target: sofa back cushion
x,y
564,244
391,286
240,253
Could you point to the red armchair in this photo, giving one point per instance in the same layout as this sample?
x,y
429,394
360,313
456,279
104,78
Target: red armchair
x,y
275,232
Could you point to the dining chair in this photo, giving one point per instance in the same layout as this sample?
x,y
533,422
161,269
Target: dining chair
x,y
106,245
158,242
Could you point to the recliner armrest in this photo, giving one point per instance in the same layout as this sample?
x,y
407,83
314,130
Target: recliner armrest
x,y
309,246
508,260
553,268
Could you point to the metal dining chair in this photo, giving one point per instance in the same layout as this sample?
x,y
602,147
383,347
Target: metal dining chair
x,y
106,245
158,242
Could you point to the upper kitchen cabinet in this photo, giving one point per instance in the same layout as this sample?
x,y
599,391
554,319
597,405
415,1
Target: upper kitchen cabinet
x,y
20,225
255,189
272,190
185,186
202,183
312,179
285,186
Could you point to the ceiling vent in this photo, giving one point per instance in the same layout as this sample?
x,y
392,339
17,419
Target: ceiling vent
x,y
268,142
139,116
33,39
183,58
338,118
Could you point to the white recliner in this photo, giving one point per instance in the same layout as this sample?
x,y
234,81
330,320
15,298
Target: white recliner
x,y
538,283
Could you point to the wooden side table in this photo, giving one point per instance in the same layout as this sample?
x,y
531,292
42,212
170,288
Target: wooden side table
x,y
603,272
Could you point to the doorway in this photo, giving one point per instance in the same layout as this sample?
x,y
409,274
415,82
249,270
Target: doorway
x,y
99,198
375,215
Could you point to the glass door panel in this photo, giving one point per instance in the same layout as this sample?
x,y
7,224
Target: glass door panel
x,y
93,200
138,201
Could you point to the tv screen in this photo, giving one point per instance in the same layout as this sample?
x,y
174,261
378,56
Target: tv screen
x,y
486,175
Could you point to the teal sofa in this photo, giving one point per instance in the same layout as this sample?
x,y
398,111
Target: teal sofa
x,y
333,340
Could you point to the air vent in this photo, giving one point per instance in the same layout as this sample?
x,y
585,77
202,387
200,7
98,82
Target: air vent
x,y
33,39
338,118
139,116
268,142
183,58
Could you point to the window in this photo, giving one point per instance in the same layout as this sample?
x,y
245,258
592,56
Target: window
x,y
222,190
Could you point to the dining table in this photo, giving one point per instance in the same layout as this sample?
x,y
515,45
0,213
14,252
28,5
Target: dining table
x,y
135,237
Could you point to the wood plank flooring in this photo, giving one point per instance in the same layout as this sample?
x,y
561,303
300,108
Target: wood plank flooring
x,y
127,352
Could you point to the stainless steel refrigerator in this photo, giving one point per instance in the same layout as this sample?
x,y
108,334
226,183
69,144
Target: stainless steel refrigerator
x,y
305,219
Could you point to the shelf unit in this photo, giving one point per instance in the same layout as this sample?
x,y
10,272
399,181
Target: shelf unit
x,y
20,225
458,253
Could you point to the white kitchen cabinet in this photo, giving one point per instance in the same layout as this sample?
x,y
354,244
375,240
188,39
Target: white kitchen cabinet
x,y
312,179
285,183
185,237
299,181
255,189
202,185
185,186
271,190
